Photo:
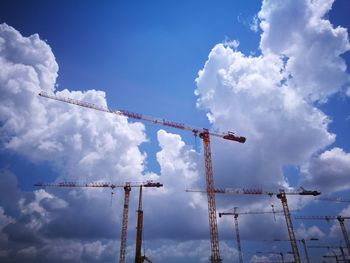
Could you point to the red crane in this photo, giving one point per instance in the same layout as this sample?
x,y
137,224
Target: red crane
x,y
203,133
282,195
235,216
127,188
341,223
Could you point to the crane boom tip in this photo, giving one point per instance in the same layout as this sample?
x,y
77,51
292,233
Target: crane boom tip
x,y
232,137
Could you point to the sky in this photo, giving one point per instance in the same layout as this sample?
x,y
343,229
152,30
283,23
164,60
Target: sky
x,y
274,71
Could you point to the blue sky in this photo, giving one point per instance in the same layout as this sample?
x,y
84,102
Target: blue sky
x,y
274,72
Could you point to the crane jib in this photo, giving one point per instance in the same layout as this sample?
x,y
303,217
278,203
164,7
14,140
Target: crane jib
x,y
234,138
173,124
228,136
130,114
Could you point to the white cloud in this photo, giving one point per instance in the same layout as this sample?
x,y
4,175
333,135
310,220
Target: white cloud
x,y
310,43
176,158
270,99
254,24
257,259
329,171
4,221
37,210
81,142
348,91
245,94
198,250
84,145
28,252
303,232
234,44
335,230
178,170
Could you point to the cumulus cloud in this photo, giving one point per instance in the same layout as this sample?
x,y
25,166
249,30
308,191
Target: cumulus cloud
x,y
303,232
245,94
78,141
4,221
179,170
329,171
271,99
254,25
193,250
311,44
82,145
335,229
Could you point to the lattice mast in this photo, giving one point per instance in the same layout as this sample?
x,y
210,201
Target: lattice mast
x,y
204,135
305,250
343,229
138,256
214,236
127,188
237,236
293,242
235,214
341,223
238,239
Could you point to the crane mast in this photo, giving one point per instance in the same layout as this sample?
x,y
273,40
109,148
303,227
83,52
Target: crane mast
x,y
345,233
214,236
238,239
283,198
235,216
127,188
138,257
204,135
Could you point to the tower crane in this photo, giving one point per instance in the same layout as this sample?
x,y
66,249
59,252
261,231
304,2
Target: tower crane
x,y
282,195
203,133
127,188
341,223
331,247
235,216
303,241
